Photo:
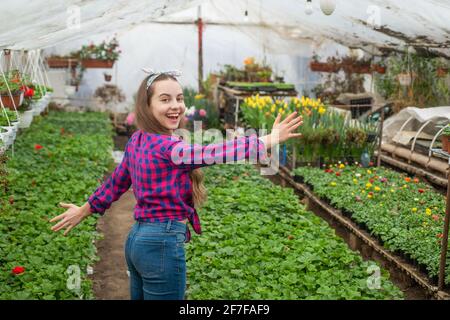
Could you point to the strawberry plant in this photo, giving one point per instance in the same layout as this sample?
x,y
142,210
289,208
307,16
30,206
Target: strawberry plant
x,y
259,242
59,158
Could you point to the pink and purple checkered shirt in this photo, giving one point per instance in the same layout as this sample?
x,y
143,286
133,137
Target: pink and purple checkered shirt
x,y
158,166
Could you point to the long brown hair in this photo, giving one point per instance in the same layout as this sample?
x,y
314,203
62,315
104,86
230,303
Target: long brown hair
x,y
147,122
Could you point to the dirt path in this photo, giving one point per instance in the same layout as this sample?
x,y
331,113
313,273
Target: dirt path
x,y
110,273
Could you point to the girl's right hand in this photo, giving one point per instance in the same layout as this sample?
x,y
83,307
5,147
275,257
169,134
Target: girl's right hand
x,y
284,130
71,218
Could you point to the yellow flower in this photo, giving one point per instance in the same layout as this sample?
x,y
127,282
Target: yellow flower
x,y
280,110
355,180
392,190
273,108
322,110
377,189
341,166
199,96
369,172
369,196
428,211
414,209
368,185
333,184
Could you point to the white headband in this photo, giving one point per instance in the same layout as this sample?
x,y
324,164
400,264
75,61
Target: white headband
x,y
154,75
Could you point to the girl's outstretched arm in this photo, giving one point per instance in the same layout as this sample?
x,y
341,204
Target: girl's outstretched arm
x,y
99,201
192,156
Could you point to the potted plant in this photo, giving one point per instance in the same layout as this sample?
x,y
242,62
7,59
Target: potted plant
x,y
100,56
332,64
445,138
56,61
11,93
26,111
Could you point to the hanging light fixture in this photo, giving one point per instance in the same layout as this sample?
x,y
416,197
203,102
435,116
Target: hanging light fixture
x,y
309,7
328,6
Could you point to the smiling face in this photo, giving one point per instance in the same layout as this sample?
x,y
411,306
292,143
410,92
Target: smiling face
x,y
167,103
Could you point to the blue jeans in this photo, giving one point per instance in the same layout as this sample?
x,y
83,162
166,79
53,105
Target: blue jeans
x,y
156,260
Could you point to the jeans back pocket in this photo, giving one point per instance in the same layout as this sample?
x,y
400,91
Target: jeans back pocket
x,y
148,255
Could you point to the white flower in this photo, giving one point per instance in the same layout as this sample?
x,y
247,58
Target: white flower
x,y
358,175
190,111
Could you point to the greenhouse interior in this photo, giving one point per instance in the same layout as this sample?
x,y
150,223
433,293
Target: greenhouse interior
x,y
224,150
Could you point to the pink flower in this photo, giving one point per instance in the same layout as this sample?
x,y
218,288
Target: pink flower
x,y
202,112
130,118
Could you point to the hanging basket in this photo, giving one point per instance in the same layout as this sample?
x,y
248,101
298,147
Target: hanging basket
x,y
96,63
55,62
8,102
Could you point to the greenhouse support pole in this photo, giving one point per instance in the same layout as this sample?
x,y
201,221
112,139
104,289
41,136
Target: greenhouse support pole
x,y
380,137
200,49
445,239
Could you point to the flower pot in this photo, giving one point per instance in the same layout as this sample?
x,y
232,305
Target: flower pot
x,y
9,136
35,107
379,69
323,67
96,63
445,143
25,119
55,62
16,100
108,77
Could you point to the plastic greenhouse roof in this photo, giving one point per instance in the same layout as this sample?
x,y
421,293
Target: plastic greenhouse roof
x,y
373,26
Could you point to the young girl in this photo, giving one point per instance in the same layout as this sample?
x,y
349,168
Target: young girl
x,y
167,190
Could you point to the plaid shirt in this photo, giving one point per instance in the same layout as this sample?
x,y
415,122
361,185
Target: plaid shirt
x,y
158,166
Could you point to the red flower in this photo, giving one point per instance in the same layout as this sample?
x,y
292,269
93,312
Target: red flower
x,y
436,217
421,191
338,174
440,235
371,180
37,147
416,180
371,164
370,193
11,200
29,93
18,270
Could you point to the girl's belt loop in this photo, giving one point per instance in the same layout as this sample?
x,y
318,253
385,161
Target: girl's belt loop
x,y
169,224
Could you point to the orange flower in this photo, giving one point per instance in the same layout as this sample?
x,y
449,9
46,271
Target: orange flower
x,y
407,179
249,61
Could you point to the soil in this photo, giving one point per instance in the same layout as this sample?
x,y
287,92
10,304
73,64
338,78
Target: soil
x,y
110,276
